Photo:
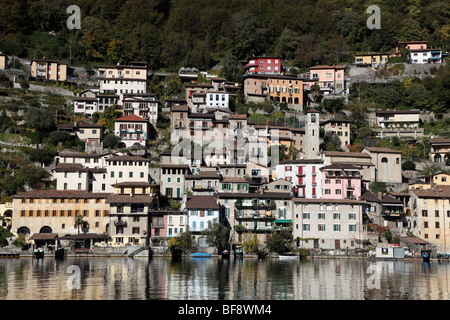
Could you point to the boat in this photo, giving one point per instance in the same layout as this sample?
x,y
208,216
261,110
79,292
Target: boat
x,y
60,253
225,254
238,252
286,256
426,255
200,255
38,253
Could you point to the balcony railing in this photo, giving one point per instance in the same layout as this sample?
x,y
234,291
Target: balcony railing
x,y
254,216
257,206
120,223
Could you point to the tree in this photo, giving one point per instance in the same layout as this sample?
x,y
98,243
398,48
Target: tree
x,y
79,221
216,233
331,142
111,141
185,241
275,242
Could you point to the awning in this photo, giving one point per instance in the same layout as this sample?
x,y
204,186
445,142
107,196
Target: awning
x,y
283,221
44,236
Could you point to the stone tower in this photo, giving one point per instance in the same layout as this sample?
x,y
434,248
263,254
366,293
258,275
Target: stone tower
x,y
312,130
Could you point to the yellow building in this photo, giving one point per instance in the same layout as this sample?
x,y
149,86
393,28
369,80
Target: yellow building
x,y
130,205
3,61
430,215
49,69
54,211
439,179
371,58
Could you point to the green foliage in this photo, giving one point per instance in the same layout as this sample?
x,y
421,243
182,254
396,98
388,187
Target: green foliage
x,y
275,242
216,233
4,235
111,141
40,119
20,241
250,243
408,165
377,186
185,241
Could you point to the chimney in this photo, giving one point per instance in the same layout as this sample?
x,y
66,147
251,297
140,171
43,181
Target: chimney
x,y
379,195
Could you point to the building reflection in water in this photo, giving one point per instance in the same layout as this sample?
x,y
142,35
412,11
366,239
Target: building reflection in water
x,y
216,279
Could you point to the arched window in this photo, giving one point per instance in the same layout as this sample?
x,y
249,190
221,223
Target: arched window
x,y
45,229
384,160
23,230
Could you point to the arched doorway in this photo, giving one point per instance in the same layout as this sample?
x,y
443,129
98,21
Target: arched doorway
x,y
45,229
24,230
437,158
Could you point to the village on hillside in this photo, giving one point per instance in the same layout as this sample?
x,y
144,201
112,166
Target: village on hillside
x,y
121,156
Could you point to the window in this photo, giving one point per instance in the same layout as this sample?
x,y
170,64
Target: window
x,y
306,227
336,216
352,227
306,215
336,227
352,216
321,227
424,213
384,160
321,215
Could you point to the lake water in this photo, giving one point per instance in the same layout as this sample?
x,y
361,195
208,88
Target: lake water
x,y
92,278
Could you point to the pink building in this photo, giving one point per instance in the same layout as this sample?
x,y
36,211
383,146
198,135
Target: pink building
x,y
409,45
329,78
266,65
341,181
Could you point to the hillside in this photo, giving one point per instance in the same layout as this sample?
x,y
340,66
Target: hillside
x,y
169,34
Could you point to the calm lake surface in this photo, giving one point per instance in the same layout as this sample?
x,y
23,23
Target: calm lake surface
x,y
93,278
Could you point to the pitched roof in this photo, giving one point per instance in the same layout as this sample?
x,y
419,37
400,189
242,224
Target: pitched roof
x,y
202,202
203,175
234,180
127,158
346,154
433,192
131,118
381,150
124,198
50,193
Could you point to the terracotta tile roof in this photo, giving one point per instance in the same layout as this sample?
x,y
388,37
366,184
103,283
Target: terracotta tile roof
x,y
381,150
203,175
346,154
127,158
202,202
50,193
124,198
131,118
434,192
439,141
64,167
132,184
44,236
84,236
340,166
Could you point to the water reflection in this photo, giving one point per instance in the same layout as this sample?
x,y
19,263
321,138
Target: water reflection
x,y
217,279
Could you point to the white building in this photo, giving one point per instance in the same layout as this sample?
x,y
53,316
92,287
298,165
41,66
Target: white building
x,y
126,168
305,176
312,131
329,224
201,211
142,105
420,56
132,129
122,79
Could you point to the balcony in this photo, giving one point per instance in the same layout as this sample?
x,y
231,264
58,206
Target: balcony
x,y
257,229
120,223
256,206
255,216
350,186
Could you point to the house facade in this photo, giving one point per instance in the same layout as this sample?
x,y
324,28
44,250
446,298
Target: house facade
x,y
132,130
122,79
329,224
264,65
54,211
49,69
329,78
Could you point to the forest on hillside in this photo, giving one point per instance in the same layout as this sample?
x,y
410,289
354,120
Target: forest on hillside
x,y
201,33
